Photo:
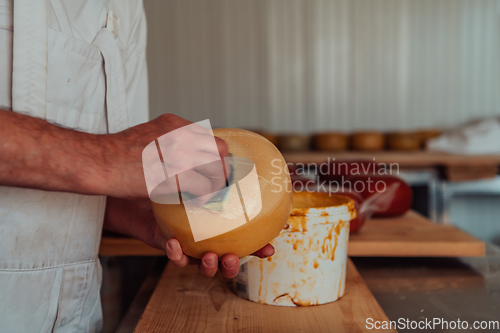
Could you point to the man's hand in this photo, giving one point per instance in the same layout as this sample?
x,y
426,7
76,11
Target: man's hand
x,y
124,158
135,218
229,264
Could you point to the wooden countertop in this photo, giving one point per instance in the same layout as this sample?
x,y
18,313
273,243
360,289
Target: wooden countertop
x,y
413,288
412,235
185,301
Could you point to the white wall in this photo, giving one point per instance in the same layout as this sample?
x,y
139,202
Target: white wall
x,y
308,65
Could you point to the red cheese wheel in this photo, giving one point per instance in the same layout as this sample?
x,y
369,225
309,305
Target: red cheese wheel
x,y
370,185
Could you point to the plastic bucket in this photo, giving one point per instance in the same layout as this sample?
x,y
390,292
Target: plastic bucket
x,y
309,266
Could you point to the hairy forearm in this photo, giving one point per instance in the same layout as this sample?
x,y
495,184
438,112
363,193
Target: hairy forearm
x,y
36,154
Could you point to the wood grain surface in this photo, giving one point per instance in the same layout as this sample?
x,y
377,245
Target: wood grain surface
x,y
412,235
470,173
421,159
185,301
126,246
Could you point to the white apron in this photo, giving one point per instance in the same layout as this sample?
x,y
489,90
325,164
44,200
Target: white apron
x,y
78,64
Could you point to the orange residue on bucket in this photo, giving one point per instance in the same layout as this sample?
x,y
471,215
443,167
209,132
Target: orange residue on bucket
x,y
324,248
297,242
327,242
303,224
297,303
299,212
301,303
316,265
297,223
338,228
278,297
269,269
313,244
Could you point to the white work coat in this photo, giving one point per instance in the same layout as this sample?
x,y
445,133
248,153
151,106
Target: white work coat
x,y
78,64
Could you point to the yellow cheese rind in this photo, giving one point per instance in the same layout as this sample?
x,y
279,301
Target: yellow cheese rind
x,y
276,202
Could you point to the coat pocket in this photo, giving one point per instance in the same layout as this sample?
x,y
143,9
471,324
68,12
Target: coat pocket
x,y
30,300
76,84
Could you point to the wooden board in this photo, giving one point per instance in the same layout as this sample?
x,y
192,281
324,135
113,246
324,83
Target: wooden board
x,y
421,159
125,246
185,301
412,235
468,173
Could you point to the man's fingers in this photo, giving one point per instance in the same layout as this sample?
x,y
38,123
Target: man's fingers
x,y
175,254
227,168
222,147
265,252
215,172
209,263
230,265
195,183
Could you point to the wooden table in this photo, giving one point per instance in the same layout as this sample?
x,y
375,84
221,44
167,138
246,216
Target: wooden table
x,y
126,246
185,301
413,288
410,235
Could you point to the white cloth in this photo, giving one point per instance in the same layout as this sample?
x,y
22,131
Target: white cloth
x,y
480,137
63,63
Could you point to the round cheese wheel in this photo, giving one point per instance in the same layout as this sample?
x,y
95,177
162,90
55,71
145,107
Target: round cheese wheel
x,y
371,185
403,141
293,142
268,135
264,214
424,135
368,141
330,141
